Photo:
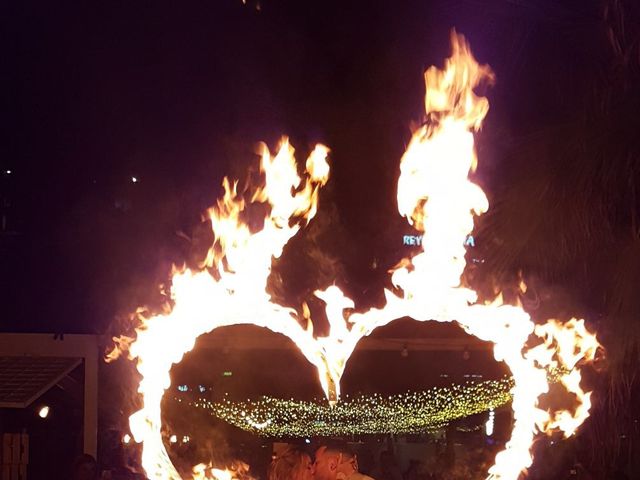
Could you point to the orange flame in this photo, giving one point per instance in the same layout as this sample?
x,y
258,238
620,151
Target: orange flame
x,y
437,197
207,472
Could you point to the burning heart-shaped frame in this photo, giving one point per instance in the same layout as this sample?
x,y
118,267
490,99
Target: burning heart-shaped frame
x,y
436,196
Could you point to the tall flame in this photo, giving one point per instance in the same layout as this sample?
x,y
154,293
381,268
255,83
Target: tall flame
x,y
236,295
437,197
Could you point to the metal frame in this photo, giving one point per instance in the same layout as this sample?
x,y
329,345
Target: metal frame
x,y
82,347
45,388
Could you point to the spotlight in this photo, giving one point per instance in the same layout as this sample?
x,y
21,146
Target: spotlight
x,y
173,439
44,412
134,179
185,439
126,439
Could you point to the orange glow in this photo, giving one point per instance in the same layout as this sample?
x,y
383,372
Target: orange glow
x,y
437,197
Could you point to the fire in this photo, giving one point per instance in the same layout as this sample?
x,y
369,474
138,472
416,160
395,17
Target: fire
x,y
235,294
207,472
437,197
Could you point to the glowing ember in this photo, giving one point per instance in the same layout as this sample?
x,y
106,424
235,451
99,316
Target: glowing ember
x,y
436,196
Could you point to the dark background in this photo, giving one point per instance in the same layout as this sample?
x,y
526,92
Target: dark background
x,y
95,94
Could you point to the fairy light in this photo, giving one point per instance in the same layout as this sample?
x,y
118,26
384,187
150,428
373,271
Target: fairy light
x,y
488,427
407,413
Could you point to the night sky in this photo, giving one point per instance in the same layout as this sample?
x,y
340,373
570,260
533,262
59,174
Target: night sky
x,y
177,95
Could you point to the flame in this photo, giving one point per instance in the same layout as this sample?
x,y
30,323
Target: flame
x,y
571,344
437,197
207,472
236,294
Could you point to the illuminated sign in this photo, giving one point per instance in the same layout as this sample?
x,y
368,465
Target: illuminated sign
x,y
416,240
412,240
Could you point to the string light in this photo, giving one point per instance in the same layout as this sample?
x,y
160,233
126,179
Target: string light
x,y
407,413
490,423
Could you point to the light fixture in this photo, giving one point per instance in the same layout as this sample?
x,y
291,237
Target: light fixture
x,y
44,411
488,427
134,179
126,439
173,439
185,439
